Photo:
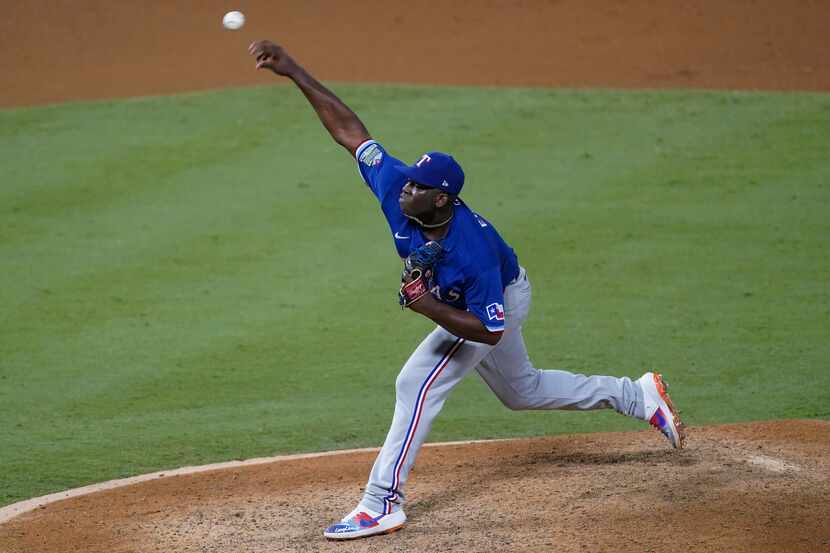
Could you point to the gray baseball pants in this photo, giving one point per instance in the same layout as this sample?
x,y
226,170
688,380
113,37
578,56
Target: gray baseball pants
x,y
442,360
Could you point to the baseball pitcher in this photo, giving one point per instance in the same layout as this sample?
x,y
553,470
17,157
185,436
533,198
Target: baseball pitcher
x,y
461,274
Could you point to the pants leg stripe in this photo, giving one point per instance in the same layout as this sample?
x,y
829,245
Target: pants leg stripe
x,y
413,423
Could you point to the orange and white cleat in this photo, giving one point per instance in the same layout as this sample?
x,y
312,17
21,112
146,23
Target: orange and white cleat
x,y
659,411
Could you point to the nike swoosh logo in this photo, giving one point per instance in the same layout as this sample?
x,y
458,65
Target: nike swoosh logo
x,y
399,237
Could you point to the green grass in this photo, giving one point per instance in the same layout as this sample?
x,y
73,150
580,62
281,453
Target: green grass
x,y
204,277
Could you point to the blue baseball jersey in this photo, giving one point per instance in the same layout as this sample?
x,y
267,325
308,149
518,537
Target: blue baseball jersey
x,y
477,264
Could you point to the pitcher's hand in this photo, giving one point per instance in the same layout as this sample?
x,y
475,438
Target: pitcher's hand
x,y
272,56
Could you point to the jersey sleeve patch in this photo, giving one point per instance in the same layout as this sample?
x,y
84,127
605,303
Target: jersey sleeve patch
x,y
363,145
495,312
495,317
371,155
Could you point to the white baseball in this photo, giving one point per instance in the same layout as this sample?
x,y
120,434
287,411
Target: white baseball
x,y
233,20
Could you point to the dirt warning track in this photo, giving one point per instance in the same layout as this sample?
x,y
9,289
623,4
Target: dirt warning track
x,y
103,49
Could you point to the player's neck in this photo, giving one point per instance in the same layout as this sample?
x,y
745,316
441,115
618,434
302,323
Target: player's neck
x,y
439,224
436,226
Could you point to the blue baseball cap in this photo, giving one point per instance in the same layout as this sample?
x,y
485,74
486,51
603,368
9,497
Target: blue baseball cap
x,y
436,170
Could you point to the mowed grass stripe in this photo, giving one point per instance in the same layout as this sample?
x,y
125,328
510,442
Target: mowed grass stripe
x,y
204,277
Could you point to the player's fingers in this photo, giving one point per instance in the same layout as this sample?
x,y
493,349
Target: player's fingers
x,y
256,48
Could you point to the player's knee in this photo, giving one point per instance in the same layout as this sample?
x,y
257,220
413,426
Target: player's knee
x,y
522,392
515,403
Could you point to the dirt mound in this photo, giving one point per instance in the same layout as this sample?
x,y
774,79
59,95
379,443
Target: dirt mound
x,y
751,487
104,49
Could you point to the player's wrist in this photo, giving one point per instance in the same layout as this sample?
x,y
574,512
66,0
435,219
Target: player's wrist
x,y
297,73
426,305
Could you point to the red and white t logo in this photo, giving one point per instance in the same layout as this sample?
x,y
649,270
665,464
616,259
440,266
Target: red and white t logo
x,y
423,159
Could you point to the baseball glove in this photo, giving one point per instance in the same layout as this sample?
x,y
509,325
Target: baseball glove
x,y
417,270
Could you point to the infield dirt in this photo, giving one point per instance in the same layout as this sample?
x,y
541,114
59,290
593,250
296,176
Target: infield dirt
x,y
757,488
754,487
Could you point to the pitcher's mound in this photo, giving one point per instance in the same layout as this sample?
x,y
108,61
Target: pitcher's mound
x,y
749,487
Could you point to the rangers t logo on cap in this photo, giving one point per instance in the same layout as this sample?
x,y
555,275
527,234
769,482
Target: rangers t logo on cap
x,y
436,170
